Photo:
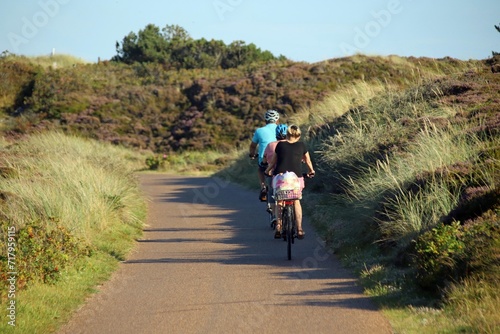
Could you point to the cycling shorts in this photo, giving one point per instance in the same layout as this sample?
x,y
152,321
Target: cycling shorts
x,y
262,166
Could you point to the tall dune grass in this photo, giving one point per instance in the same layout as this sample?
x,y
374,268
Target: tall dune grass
x,y
433,149
335,105
403,160
86,186
77,209
387,120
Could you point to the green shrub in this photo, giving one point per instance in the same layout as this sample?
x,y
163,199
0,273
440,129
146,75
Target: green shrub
x,y
39,253
438,252
155,162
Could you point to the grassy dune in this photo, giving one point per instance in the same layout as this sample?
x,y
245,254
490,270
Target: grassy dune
x,y
401,164
76,209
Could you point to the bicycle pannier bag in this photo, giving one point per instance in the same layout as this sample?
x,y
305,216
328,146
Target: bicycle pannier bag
x,y
287,186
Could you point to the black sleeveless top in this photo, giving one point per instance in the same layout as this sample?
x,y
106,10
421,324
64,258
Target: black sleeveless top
x,y
289,157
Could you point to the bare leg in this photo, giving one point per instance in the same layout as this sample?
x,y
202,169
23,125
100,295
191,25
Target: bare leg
x,y
277,212
270,193
298,215
262,178
279,223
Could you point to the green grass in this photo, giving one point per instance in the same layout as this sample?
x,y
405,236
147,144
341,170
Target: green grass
x,y
476,302
198,162
472,307
242,170
42,308
84,196
206,162
336,104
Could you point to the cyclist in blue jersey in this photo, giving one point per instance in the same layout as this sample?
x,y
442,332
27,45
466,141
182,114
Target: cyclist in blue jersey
x,y
261,137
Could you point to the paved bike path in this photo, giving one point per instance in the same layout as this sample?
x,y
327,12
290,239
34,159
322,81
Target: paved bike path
x,y
208,263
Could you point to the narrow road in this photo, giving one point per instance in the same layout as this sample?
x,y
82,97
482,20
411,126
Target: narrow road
x,y
208,263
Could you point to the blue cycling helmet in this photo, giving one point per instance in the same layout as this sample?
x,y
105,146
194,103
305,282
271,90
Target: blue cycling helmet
x,y
281,131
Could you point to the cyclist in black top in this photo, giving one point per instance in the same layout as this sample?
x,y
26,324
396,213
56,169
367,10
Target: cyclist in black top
x,y
288,157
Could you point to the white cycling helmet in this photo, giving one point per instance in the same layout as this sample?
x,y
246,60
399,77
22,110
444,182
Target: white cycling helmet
x,y
272,116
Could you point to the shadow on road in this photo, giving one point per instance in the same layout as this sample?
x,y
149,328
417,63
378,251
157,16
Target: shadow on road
x,y
214,211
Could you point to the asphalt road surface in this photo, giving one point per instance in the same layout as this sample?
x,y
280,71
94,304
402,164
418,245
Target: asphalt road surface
x,y
208,263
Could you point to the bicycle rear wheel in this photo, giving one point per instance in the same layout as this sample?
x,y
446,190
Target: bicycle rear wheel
x,y
288,229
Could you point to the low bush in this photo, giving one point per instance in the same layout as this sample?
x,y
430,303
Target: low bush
x,y
39,254
154,162
449,253
438,253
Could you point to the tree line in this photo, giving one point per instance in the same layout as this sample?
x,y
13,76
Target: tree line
x,y
175,48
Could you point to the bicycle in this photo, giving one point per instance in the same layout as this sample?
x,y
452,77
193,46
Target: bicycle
x,y
288,222
288,225
270,200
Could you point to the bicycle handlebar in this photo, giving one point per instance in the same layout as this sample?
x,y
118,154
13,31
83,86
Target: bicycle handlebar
x,y
307,176
304,175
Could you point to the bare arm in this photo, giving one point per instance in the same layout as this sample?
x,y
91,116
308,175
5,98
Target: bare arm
x,y
251,150
271,164
308,162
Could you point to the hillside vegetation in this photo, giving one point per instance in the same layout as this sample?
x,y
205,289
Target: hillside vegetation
x,y
407,153
148,106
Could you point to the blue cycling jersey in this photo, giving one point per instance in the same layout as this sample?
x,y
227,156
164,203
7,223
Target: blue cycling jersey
x,y
264,136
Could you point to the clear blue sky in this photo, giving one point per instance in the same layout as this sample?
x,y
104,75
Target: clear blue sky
x,y
310,31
